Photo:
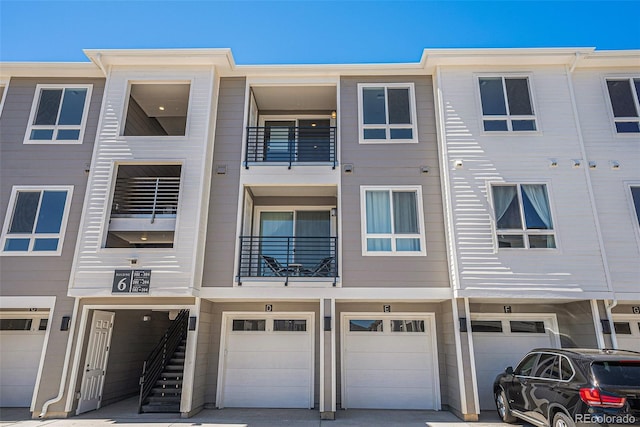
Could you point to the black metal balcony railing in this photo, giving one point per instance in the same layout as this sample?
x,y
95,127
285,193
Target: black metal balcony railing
x,y
286,257
291,145
146,197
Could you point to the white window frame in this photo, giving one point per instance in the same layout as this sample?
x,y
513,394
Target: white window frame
x,y
524,232
393,236
632,208
127,97
636,98
387,127
57,127
508,117
32,236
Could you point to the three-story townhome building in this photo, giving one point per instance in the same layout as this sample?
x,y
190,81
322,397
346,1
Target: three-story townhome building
x,y
532,158
48,121
381,236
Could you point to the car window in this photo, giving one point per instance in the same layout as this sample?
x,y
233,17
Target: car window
x,y
619,373
566,370
526,365
548,367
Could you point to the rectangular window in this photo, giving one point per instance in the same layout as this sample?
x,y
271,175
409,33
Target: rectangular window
x,y
15,324
157,109
624,95
387,112
622,328
407,326
362,325
289,325
506,104
523,216
248,324
58,114
393,223
532,327
494,326
36,221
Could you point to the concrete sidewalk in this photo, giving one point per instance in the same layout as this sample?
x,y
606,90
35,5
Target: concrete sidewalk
x,y
123,414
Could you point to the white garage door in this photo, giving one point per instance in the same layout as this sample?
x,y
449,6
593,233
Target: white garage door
x,y
389,362
268,362
627,333
20,350
499,343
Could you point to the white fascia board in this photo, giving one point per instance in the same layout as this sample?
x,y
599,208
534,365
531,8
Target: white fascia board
x,y
612,58
49,69
11,302
501,57
339,294
221,58
530,294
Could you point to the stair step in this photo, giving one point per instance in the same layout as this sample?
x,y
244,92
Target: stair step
x,y
170,368
176,361
169,383
178,354
164,399
169,407
159,391
167,375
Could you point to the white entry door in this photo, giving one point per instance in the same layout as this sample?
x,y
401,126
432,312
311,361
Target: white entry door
x,y
501,342
627,332
267,361
95,364
389,361
21,341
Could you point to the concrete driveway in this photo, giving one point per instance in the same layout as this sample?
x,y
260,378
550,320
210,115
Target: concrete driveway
x,y
123,414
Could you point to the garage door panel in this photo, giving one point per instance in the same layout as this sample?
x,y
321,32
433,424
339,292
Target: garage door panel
x,y
404,398
389,369
268,369
267,378
388,378
267,341
493,352
270,396
20,353
372,361
268,360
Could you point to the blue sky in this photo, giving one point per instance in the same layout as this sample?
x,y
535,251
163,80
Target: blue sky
x,y
291,32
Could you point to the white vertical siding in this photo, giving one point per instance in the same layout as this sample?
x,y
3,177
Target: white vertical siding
x,y
576,265
172,269
620,230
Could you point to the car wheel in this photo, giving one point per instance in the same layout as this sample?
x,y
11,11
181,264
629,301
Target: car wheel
x,y
562,420
502,405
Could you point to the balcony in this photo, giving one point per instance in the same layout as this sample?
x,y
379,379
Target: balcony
x,y
299,145
144,208
288,257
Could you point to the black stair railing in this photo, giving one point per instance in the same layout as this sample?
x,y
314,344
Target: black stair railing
x,y
159,357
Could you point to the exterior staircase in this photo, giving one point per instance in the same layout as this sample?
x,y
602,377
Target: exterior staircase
x,y
167,391
163,371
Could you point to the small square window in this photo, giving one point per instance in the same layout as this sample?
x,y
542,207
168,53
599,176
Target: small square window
x,y
58,114
624,95
393,222
36,221
387,112
523,216
506,104
157,109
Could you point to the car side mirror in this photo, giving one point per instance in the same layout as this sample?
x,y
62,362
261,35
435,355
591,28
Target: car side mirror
x,y
509,370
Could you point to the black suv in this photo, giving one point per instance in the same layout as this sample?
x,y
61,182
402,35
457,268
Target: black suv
x,y
571,387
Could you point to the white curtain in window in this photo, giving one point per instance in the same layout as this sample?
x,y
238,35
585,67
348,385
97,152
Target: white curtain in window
x,y
378,212
405,216
537,195
503,195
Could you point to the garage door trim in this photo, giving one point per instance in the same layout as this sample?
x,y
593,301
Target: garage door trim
x,y
429,318
227,321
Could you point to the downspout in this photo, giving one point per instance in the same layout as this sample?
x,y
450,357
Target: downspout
x,y
67,357
609,305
